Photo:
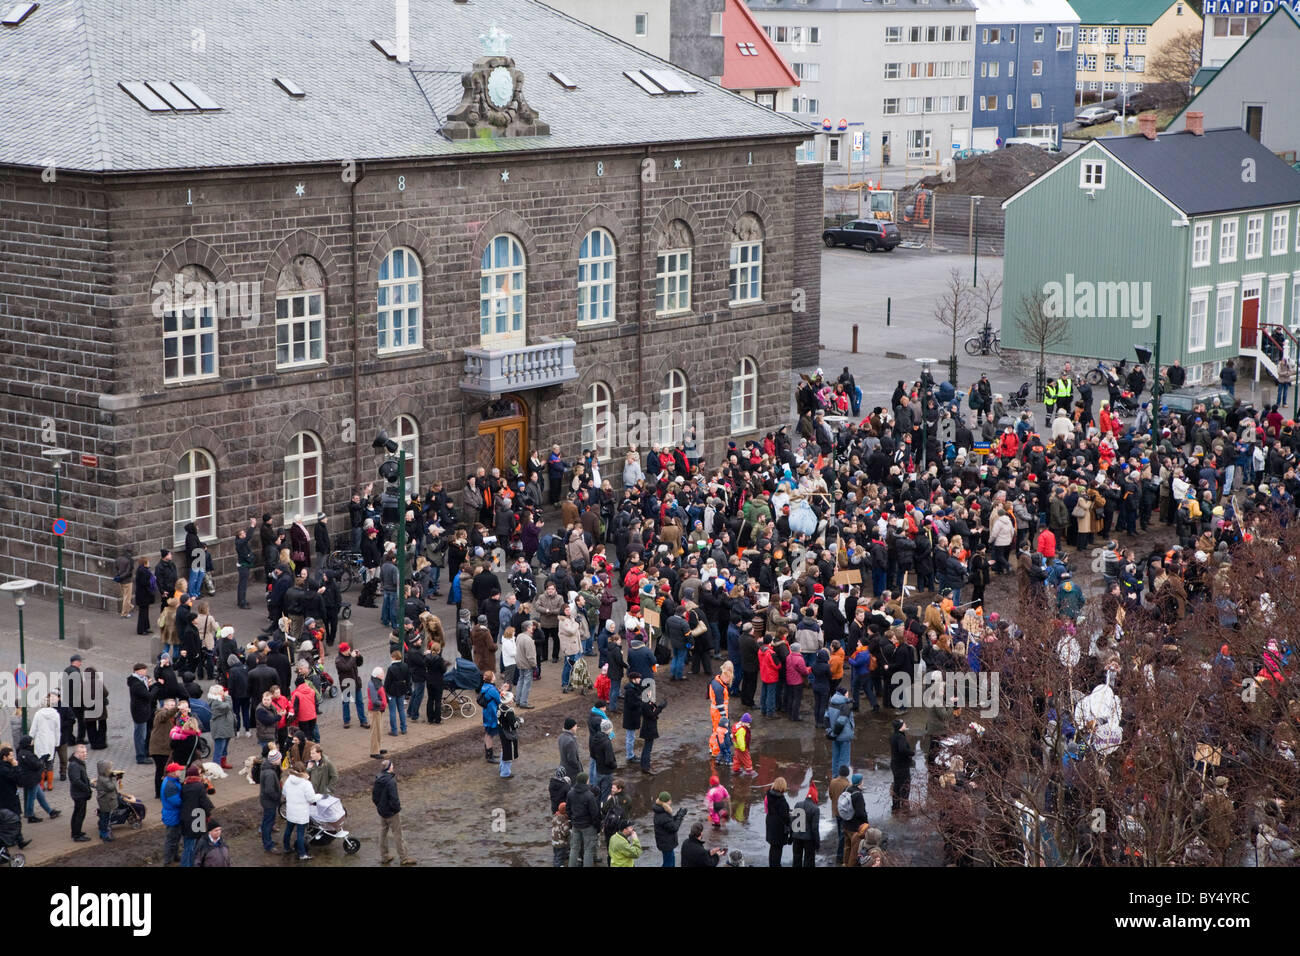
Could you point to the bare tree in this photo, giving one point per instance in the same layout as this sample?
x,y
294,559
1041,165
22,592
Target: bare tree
x,y
955,312
1040,329
1176,63
988,296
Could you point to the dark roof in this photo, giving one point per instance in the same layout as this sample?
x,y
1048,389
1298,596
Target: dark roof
x,y
60,101
1203,174
860,6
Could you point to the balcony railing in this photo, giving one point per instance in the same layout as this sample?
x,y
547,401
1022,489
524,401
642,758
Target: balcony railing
x,y
494,371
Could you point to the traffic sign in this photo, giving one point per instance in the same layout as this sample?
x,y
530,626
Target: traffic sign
x,y
857,140
20,678
956,145
998,141
90,461
60,526
980,448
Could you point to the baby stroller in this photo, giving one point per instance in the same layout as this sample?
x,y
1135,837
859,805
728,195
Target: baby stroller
x,y
580,676
1019,398
10,832
129,810
325,824
462,680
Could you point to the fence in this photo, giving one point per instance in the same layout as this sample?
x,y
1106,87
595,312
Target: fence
x,y
940,221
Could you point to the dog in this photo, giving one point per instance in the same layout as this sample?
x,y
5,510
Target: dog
x,y
213,771
247,771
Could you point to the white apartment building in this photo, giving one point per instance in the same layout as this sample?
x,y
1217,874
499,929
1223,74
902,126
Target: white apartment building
x,y
892,79
1230,23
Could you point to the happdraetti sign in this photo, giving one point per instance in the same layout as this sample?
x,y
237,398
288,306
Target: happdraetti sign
x,y
1245,7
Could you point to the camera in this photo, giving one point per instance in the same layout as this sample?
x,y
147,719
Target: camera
x,y
119,774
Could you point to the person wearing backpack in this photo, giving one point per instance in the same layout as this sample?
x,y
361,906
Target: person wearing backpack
x,y
851,809
839,784
840,727
615,812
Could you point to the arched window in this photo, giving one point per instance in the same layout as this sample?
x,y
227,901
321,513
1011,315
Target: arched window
x,y
302,477
502,288
672,408
598,421
596,263
673,270
195,495
744,397
300,314
406,432
746,260
399,298
189,314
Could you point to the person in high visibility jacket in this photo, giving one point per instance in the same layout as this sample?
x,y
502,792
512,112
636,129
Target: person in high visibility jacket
x,y
1049,398
719,700
742,738
1064,391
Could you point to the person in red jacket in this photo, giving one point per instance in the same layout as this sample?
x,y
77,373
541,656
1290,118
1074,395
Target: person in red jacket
x,y
304,705
1047,544
769,672
796,675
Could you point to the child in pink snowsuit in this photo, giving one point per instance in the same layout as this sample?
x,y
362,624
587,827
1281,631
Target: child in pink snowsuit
x,y
717,802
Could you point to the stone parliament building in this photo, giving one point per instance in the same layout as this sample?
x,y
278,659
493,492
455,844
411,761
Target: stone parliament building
x,y
238,240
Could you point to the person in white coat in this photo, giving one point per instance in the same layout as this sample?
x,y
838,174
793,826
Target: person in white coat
x,y
298,797
47,731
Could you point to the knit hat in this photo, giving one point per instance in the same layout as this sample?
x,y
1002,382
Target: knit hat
x,y
665,797
812,792
226,631
377,672
746,719
581,778
172,768
192,772
344,647
232,660
898,723
855,779
714,781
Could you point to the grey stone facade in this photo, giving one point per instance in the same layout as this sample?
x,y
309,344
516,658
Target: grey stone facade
x,y
691,44
82,350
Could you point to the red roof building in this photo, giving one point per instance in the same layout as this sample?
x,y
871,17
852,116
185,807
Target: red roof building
x,y
751,64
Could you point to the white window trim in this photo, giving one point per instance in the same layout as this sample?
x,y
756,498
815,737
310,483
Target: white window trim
x,y
1259,233
304,320
1295,300
595,264
201,465
744,384
1236,237
668,432
753,270
1284,217
205,309
660,274
1084,165
1278,283
1208,226
1228,291
406,432
1199,294
591,432
493,273
300,457
391,283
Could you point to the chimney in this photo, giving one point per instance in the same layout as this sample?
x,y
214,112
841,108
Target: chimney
x,y
1147,125
1196,123
403,31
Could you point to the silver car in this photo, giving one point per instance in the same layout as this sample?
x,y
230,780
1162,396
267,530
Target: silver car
x,y
1094,115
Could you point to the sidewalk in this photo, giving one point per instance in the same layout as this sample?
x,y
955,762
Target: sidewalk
x,y
116,647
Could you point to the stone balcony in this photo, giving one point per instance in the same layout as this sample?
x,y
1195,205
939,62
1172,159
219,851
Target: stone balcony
x,y
496,371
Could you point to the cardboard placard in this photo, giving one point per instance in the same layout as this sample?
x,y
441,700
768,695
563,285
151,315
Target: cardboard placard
x,y
846,578
651,616
1208,754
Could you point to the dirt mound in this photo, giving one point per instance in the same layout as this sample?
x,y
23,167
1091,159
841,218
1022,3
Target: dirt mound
x,y
999,173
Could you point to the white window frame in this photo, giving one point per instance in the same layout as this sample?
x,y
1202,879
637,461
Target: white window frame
x,y
1295,300
1064,38
715,24
641,24
744,397
399,296
745,272
188,503
297,459
1011,102
503,292
672,407
598,421
673,282
1202,236
1228,240
1197,326
1035,101
406,432
893,34
1255,236
1092,174
192,338
597,274
1275,301
1226,292
1280,228
887,103
1036,68
1040,34
305,331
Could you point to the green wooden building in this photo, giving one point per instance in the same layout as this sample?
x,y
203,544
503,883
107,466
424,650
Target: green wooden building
x,y
1199,227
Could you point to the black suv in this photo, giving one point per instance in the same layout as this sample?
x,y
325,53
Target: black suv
x,y
867,233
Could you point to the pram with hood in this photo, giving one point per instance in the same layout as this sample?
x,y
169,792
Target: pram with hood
x,y
11,832
461,680
580,676
325,824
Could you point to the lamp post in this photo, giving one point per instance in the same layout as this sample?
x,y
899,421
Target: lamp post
x,y
56,455
17,587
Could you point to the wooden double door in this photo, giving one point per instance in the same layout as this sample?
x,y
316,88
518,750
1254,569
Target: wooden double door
x,y
504,436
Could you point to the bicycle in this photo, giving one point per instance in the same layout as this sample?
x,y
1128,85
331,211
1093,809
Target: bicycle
x,y
988,341
347,567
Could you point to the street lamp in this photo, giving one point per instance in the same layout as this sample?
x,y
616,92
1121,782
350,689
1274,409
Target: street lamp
x,y
393,501
56,455
17,587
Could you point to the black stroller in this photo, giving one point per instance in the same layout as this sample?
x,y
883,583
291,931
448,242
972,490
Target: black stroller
x,y
130,810
1019,399
461,680
11,831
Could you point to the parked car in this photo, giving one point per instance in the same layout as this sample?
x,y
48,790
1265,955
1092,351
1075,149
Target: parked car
x,y
1183,400
867,233
969,153
1094,115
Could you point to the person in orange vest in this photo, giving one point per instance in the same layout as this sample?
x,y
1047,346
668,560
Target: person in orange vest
x,y
719,701
743,742
720,744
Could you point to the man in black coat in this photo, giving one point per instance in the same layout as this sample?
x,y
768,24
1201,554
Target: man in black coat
x,y
321,534
389,806
331,604
165,574
584,818
80,790
141,710
694,852
900,762
283,580
748,664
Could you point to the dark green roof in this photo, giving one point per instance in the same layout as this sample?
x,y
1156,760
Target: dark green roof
x,y
1203,76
